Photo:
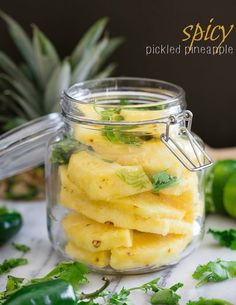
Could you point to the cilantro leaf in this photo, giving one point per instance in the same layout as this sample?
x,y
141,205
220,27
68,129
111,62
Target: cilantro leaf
x,y
21,247
71,272
225,238
13,284
63,149
112,114
163,180
167,296
136,179
215,271
117,134
149,286
164,296
120,298
203,301
11,263
120,135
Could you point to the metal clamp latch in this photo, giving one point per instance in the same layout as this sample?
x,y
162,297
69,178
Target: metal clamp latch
x,y
199,159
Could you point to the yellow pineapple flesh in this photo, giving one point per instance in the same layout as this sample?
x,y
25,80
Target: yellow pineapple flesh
x,y
95,259
102,212
145,204
116,215
103,180
152,155
93,236
149,250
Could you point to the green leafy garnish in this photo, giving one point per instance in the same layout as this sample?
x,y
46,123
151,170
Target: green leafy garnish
x,y
149,286
117,134
164,296
9,264
203,301
167,296
215,271
120,298
137,179
226,238
71,272
13,284
62,150
120,135
21,247
163,180
112,114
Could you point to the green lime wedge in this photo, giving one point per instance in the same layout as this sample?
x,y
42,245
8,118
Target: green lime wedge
x,y
230,195
215,182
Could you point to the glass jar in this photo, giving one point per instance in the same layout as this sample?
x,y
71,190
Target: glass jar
x,y
123,171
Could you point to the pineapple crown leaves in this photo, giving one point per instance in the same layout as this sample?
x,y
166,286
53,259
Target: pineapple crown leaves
x,y
33,88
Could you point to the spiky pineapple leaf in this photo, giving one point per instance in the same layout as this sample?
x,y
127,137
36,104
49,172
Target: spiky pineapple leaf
x,y
24,68
21,40
112,45
20,88
11,68
34,86
58,82
28,109
46,56
87,62
89,40
107,71
17,110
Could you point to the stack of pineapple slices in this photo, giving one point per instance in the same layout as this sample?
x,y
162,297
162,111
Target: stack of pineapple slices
x,y
121,224
116,220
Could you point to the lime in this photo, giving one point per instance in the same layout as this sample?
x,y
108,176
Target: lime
x,y
222,170
230,195
209,203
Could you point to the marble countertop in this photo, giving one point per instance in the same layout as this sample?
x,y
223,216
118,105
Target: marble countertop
x,y
42,258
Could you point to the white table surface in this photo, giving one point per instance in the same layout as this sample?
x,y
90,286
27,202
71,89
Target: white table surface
x,y
42,258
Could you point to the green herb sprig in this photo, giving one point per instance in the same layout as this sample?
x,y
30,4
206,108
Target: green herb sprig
x,y
161,295
215,271
137,179
9,264
63,149
71,272
226,238
21,247
117,134
203,301
163,180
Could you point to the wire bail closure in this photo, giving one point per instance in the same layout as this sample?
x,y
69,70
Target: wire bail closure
x,y
201,160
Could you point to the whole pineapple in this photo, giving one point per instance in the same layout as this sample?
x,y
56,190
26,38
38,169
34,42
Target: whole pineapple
x,y
33,88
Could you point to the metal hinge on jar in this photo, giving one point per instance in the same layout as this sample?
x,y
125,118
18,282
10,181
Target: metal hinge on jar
x,y
201,159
